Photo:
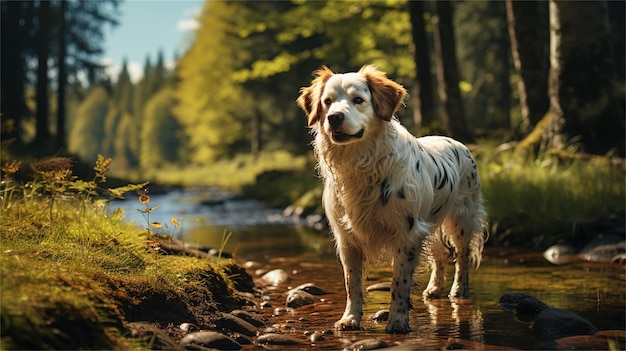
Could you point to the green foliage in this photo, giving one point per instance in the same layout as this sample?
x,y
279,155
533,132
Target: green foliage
x,y
209,101
86,134
160,137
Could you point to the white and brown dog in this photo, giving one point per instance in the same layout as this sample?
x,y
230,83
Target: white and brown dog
x,y
389,193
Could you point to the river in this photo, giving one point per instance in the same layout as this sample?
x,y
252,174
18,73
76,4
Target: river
x,y
264,236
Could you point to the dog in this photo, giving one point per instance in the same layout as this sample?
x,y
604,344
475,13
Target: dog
x,y
390,194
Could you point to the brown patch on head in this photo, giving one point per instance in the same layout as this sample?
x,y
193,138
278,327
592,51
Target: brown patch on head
x,y
387,95
309,99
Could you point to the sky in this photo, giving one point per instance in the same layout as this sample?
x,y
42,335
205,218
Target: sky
x,y
145,27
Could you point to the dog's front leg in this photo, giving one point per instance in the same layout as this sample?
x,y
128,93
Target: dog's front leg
x,y
403,266
353,261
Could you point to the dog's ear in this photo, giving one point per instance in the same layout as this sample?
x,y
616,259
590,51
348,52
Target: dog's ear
x,y
309,99
387,95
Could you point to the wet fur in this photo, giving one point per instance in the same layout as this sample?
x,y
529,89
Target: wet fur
x,y
389,194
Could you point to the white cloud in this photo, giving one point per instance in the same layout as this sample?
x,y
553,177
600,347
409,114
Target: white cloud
x,y
187,24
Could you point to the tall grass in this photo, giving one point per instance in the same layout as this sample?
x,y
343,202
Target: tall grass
x,y
541,201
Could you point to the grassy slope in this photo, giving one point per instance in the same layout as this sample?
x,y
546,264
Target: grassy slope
x,y
74,279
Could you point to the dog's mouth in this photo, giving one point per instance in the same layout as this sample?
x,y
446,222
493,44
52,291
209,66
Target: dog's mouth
x,y
340,137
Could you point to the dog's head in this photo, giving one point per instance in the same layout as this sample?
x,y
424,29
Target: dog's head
x,y
346,105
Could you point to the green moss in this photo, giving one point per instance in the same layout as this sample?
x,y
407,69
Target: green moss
x,y
73,278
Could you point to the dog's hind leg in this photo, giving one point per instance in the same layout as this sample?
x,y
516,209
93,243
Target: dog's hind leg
x,y
464,230
353,263
437,255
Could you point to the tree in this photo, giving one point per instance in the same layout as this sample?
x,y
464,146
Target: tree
x,y
451,103
42,131
87,133
583,94
160,133
424,108
209,101
529,37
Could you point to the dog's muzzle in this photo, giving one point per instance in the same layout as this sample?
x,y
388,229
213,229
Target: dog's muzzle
x,y
338,135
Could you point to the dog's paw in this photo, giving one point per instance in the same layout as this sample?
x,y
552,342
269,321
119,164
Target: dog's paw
x,y
432,292
398,326
348,323
458,292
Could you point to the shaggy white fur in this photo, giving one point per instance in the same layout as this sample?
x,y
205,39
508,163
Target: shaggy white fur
x,y
387,193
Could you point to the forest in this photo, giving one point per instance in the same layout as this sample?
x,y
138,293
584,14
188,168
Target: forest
x,y
475,69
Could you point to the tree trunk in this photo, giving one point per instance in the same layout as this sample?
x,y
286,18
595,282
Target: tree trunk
x,y
62,78
424,111
529,58
583,97
451,104
43,46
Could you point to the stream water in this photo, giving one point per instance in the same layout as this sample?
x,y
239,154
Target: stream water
x,y
263,236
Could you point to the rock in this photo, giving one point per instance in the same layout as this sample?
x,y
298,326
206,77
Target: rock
x,y
367,344
510,300
210,339
529,308
234,324
298,298
560,254
275,277
316,337
310,288
159,338
188,327
380,316
386,286
249,317
554,323
278,339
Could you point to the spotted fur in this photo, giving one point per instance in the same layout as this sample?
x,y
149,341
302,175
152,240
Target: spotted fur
x,y
389,193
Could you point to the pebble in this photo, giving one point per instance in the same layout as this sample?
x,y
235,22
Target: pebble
x,y
234,324
210,339
316,337
311,289
298,298
386,286
367,344
249,317
275,277
278,339
381,316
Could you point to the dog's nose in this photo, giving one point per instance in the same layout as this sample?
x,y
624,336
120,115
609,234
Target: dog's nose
x,y
336,119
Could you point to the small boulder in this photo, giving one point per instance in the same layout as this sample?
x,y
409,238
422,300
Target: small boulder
x,y
210,339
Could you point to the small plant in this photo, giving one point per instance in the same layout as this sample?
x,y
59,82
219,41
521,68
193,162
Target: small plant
x,y
223,242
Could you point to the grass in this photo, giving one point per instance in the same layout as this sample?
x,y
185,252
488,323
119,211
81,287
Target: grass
x,y
74,276
539,201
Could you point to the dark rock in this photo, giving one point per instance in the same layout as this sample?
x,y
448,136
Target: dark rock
x,y
553,323
298,298
278,339
210,339
510,300
529,308
234,324
249,317
386,286
311,289
159,339
367,344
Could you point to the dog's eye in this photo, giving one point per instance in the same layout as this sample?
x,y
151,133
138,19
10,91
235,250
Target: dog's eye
x,y
358,100
328,101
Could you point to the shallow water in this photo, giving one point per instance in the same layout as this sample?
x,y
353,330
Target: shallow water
x,y
594,291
